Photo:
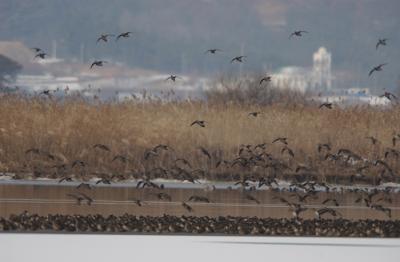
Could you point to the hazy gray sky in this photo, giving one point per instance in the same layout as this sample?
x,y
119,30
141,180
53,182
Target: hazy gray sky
x,y
169,33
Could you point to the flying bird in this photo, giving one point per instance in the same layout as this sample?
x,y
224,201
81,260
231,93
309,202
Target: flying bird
x,y
205,152
36,49
104,37
372,139
388,95
187,207
238,59
381,42
254,114
327,105
102,147
265,79
195,198
377,68
84,185
298,33
213,51
281,139
173,78
124,35
201,123
42,55
98,63
251,198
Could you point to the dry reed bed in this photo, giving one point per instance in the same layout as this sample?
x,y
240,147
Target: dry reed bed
x,y
69,128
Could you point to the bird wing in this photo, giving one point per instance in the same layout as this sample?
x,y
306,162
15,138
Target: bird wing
x,y
370,72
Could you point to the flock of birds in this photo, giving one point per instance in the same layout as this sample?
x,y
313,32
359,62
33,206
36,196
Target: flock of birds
x,y
305,181
237,59
250,157
200,225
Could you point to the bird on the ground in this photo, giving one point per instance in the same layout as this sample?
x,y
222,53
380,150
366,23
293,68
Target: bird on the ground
x,y
201,123
380,42
377,69
97,63
238,59
124,35
297,33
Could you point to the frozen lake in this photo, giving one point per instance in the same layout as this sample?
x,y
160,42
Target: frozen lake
x,y
73,247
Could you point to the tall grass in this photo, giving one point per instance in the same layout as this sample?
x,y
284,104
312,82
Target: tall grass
x,y
69,128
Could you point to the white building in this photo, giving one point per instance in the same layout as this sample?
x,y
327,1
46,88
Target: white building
x,y
319,77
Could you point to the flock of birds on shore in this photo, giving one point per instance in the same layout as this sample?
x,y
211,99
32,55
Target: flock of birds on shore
x,y
200,225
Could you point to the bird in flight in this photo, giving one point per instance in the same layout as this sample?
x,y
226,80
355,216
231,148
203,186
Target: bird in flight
x,y
388,95
201,123
327,105
377,68
265,79
298,33
102,147
97,63
42,55
254,114
381,42
281,139
251,198
36,49
104,37
213,51
195,198
238,59
124,35
187,207
173,78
